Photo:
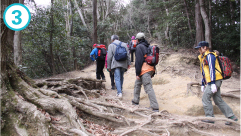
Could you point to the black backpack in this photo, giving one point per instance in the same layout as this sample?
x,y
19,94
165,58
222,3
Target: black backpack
x,y
101,52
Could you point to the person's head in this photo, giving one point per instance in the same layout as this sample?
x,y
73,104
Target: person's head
x,y
133,38
202,47
114,37
140,36
94,46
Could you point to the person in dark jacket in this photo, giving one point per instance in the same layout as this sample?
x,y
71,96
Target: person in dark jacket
x,y
100,64
144,73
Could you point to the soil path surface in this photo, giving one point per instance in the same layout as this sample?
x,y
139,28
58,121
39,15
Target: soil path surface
x,y
174,72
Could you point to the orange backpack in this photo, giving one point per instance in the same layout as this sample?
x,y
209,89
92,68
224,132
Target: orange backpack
x,y
134,43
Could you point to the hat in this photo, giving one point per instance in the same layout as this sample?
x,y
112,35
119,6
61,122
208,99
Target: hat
x,y
140,36
133,37
94,45
202,44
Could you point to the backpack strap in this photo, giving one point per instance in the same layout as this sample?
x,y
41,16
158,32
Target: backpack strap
x,y
219,66
218,71
154,73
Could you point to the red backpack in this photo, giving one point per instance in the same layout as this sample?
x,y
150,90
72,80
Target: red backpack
x,y
226,67
101,52
152,55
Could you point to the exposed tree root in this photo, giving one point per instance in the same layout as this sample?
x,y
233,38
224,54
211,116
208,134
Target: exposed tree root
x,y
230,95
190,85
60,102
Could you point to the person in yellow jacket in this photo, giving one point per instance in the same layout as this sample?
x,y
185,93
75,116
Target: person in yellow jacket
x,y
211,83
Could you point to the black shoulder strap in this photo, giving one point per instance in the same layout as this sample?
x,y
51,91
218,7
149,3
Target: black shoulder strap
x,y
219,65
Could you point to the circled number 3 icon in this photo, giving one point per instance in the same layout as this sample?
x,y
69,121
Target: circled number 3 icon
x,y
17,16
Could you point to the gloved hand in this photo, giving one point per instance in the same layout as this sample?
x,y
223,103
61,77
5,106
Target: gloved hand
x,y
213,88
202,88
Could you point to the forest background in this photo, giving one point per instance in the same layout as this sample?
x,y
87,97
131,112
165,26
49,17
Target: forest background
x,y
59,39
60,36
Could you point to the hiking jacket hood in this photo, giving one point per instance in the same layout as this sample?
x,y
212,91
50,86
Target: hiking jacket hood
x,y
111,62
209,66
141,51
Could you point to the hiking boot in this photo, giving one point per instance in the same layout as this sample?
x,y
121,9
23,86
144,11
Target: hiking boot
x,y
155,110
228,123
234,118
113,87
133,103
208,121
119,95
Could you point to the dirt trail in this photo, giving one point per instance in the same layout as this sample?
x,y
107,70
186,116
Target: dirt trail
x,y
174,72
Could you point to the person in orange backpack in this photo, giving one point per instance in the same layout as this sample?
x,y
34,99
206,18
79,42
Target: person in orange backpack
x,y
211,83
132,47
99,51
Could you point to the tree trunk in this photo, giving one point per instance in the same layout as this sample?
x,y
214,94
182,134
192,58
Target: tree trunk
x,y
210,21
17,45
107,8
198,23
188,18
51,39
206,23
167,27
70,18
74,56
94,21
81,15
71,33
67,18
17,48
231,12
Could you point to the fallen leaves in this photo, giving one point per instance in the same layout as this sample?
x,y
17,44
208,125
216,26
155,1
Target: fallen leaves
x,y
96,129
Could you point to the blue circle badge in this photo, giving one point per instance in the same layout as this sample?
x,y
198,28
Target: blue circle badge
x,y
17,17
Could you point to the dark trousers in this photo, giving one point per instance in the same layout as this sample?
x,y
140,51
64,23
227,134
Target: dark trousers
x,y
132,55
99,69
112,77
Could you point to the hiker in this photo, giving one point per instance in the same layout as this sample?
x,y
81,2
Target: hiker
x,y
100,61
144,73
132,47
111,74
118,65
211,83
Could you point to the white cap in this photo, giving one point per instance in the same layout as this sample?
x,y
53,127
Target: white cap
x,y
140,36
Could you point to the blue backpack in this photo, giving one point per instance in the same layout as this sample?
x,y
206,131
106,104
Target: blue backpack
x,y
120,52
